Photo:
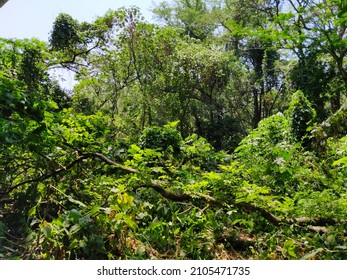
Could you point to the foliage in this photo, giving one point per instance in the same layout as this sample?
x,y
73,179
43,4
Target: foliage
x,y
191,16
65,33
162,138
302,116
183,141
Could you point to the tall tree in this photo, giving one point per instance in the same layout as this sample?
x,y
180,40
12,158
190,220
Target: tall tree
x,y
244,23
192,16
317,29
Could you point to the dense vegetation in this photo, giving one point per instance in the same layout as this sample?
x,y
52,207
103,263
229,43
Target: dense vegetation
x,y
219,133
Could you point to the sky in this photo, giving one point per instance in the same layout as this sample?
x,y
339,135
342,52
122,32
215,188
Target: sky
x,y
34,18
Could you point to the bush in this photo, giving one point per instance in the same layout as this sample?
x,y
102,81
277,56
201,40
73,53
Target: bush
x,y
165,138
302,115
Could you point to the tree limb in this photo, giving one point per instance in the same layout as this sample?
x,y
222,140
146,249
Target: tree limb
x,y
185,197
248,207
44,176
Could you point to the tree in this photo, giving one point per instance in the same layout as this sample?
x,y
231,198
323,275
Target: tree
x,y
244,23
72,41
302,116
154,66
139,160
318,29
313,76
192,16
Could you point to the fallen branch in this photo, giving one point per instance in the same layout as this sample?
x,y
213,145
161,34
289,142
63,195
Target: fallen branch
x,y
186,197
153,184
248,207
317,222
318,229
45,176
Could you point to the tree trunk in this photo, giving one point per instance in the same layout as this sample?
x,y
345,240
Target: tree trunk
x,y
256,109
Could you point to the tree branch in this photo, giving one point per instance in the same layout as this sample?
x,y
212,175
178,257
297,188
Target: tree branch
x,y
185,197
45,176
248,207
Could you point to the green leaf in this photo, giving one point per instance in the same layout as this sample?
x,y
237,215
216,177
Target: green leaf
x,y
51,104
32,211
154,225
340,161
134,149
74,214
47,230
289,247
129,221
172,124
95,209
73,244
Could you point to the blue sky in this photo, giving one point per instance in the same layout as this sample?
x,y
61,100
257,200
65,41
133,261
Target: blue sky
x,y
34,18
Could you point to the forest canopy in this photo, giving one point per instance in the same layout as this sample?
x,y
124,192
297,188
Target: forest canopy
x,y
220,132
